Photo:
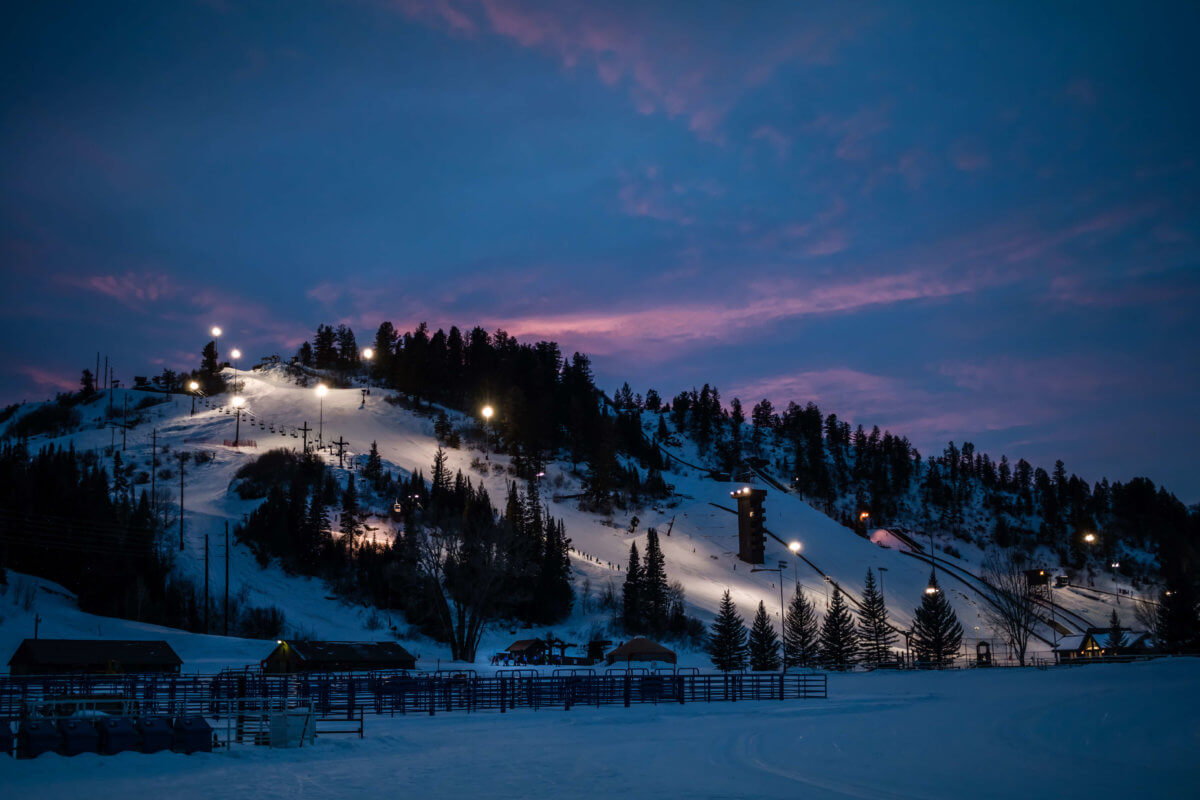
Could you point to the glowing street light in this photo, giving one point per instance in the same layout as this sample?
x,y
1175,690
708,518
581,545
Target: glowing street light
x,y
368,353
193,387
234,355
795,547
216,332
487,412
322,390
238,402
1090,538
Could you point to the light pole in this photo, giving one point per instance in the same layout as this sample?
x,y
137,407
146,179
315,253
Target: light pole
x,y
193,387
234,355
881,570
367,355
238,402
322,390
779,570
487,425
795,546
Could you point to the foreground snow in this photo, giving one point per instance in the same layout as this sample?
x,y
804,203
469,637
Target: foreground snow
x,y
1125,730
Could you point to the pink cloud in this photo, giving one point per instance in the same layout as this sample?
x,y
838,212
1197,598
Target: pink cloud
x,y
324,293
771,301
666,65
969,156
779,141
829,244
853,134
130,289
44,378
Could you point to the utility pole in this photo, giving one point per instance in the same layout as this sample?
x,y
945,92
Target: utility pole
x,y
37,621
181,502
124,422
341,443
206,583
226,577
154,471
305,431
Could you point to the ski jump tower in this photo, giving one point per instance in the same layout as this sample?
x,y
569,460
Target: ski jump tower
x,y
751,537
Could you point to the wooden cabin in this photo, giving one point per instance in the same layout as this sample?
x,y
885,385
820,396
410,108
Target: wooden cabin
x,y
314,656
93,656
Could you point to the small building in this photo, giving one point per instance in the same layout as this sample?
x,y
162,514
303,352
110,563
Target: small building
x,y
314,656
1077,646
1133,643
640,649
527,651
93,656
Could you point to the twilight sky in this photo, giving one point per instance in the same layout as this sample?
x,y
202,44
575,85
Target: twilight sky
x,y
957,221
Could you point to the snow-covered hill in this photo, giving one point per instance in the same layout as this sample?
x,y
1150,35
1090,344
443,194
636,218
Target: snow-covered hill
x,y
700,550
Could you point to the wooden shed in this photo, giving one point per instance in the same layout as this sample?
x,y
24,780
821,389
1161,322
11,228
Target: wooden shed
x,y
314,656
92,656
640,649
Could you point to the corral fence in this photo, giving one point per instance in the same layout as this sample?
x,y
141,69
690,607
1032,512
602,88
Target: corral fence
x,y
349,695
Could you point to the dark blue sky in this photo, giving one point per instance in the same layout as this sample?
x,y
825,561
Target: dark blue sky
x,y
958,221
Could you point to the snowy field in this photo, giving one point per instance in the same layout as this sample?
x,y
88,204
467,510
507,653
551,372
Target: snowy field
x,y
1124,730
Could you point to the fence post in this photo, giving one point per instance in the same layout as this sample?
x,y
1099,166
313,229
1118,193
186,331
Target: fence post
x,y
503,698
628,687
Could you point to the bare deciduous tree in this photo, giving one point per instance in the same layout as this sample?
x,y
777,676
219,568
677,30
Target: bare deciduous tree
x,y
464,572
1013,612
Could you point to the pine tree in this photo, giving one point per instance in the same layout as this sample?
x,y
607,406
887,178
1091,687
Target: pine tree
x,y
800,632
838,641
764,644
937,633
726,644
210,370
373,470
874,634
654,585
1116,635
555,596
350,524
631,593
87,383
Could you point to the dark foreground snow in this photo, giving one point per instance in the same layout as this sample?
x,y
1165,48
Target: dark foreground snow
x,y
1129,730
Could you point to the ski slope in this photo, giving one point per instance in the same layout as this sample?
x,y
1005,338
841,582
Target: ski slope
x,y
700,551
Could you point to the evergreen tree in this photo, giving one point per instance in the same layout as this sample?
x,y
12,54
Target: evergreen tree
x,y
654,585
631,593
555,595
210,370
764,644
350,525
373,470
1116,635
875,636
726,644
838,640
937,633
1178,616
87,383
800,632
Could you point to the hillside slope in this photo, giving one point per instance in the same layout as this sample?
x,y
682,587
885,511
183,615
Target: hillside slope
x,y
700,550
